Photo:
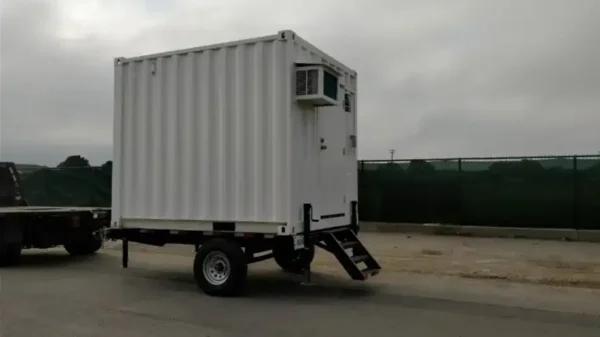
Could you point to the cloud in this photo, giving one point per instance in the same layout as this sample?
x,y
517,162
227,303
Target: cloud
x,y
436,78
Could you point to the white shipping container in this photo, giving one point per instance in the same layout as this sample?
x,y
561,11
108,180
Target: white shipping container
x,y
243,132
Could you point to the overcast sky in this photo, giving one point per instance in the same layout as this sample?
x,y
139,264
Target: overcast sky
x,y
436,77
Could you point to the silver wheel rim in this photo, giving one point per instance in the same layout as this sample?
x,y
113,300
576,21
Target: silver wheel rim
x,y
216,268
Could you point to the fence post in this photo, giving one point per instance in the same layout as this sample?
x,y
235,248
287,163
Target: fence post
x,y
575,194
364,186
460,192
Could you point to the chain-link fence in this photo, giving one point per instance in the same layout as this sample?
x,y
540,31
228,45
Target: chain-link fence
x,y
561,192
517,192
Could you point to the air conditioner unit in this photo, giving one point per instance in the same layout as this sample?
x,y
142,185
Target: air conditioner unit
x,y
316,84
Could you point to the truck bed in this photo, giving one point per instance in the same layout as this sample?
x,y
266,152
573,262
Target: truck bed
x,y
78,229
49,209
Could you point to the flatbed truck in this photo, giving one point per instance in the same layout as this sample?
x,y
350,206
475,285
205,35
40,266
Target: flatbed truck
x,y
77,229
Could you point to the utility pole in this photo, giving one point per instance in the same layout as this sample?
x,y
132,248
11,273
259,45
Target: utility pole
x,y
392,151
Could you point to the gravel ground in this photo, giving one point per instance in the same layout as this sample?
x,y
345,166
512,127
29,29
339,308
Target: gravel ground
x,y
516,260
533,261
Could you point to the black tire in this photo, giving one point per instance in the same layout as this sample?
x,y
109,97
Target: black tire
x,y
3,256
226,255
10,254
93,245
14,253
85,245
293,261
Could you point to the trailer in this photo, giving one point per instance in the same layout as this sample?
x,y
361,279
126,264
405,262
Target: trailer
x,y
246,150
78,229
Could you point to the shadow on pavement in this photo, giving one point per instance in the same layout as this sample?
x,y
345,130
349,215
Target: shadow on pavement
x,y
50,259
278,284
267,284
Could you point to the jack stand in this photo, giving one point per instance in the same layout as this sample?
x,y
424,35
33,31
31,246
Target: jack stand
x,y
307,279
307,219
125,251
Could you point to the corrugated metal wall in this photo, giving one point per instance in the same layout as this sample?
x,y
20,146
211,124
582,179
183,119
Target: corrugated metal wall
x,y
203,135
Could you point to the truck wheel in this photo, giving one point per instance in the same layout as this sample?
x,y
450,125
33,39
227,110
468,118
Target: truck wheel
x,y
85,245
93,244
3,256
10,254
11,238
14,253
293,261
220,268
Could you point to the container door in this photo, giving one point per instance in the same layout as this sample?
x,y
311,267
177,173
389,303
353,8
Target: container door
x,y
332,210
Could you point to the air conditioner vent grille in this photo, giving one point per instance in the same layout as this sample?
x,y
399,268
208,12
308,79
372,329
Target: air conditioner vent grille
x,y
307,82
301,82
313,82
315,85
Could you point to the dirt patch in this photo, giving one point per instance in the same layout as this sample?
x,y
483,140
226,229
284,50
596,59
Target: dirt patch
x,y
432,252
562,264
546,281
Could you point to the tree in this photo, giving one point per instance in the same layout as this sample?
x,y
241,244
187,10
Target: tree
x,y
521,168
74,161
107,166
419,166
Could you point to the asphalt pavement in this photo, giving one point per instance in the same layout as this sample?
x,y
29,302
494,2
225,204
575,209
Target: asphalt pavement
x,y
52,294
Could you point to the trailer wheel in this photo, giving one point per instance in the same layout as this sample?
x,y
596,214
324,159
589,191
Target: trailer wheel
x,y
84,245
220,268
293,261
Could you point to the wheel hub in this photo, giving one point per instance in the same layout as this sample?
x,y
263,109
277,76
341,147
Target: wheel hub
x,y
216,268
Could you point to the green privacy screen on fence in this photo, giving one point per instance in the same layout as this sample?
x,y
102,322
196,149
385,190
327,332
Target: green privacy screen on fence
x,y
87,186
517,192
